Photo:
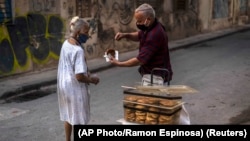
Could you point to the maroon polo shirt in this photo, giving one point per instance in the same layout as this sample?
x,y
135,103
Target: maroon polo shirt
x,y
153,51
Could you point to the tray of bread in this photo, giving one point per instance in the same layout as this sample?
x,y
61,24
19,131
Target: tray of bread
x,y
142,109
171,89
151,93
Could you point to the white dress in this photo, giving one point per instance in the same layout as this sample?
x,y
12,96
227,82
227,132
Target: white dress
x,y
73,96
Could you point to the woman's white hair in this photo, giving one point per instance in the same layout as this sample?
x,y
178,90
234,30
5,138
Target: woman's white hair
x,y
146,10
76,24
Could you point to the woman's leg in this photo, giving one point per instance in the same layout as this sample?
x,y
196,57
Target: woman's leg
x,y
68,130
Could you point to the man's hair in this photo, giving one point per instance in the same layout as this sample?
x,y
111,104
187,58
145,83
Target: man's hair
x,y
76,25
146,10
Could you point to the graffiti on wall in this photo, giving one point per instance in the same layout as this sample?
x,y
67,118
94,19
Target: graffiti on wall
x,y
114,16
107,18
220,8
125,11
34,37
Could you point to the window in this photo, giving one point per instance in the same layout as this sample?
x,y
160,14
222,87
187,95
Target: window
x,y
83,8
180,5
220,8
5,11
153,3
243,7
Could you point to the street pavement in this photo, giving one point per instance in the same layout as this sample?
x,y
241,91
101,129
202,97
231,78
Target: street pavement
x,y
19,84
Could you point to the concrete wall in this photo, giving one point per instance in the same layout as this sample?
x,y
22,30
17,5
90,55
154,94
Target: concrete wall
x,y
224,14
33,41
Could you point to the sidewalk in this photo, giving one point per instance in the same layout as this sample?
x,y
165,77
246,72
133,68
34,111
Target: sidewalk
x,y
23,83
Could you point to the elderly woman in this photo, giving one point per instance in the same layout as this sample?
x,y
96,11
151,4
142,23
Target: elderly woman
x,y
73,78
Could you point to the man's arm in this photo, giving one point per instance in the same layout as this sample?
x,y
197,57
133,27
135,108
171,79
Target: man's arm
x,y
131,36
129,63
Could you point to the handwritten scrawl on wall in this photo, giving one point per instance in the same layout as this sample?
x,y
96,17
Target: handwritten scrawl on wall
x,y
34,37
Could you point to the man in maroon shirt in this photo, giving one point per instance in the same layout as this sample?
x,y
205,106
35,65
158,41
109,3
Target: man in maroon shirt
x,y
153,48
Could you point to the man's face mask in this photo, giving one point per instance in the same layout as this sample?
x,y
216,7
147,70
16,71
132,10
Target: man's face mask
x,y
82,38
142,27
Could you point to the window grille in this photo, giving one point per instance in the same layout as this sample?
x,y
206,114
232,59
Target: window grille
x,y
180,5
5,11
83,8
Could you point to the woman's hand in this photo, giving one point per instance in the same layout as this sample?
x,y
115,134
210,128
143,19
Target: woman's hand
x,y
94,79
87,78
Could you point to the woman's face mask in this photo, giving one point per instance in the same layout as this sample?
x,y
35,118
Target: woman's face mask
x,y
82,38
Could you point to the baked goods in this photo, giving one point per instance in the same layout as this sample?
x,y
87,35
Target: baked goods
x,y
152,116
130,98
153,101
165,119
168,103
151,110
169,119
140,107
169,106
150,120
111,52
141,102
129,114
129,101
140,116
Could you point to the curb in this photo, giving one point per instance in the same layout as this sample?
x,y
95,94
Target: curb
x,y
27,88
187,42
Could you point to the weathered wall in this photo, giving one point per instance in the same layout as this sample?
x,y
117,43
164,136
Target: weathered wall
x,y
243,11
33,41
227,13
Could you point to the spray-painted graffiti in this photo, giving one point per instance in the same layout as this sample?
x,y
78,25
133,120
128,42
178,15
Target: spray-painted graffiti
x,y
33,35
7,57
125,11
109,17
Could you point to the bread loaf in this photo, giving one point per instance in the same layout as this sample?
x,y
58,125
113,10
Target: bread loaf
x,y
111,52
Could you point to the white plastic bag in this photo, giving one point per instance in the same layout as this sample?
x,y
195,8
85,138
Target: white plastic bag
x,y
157,80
